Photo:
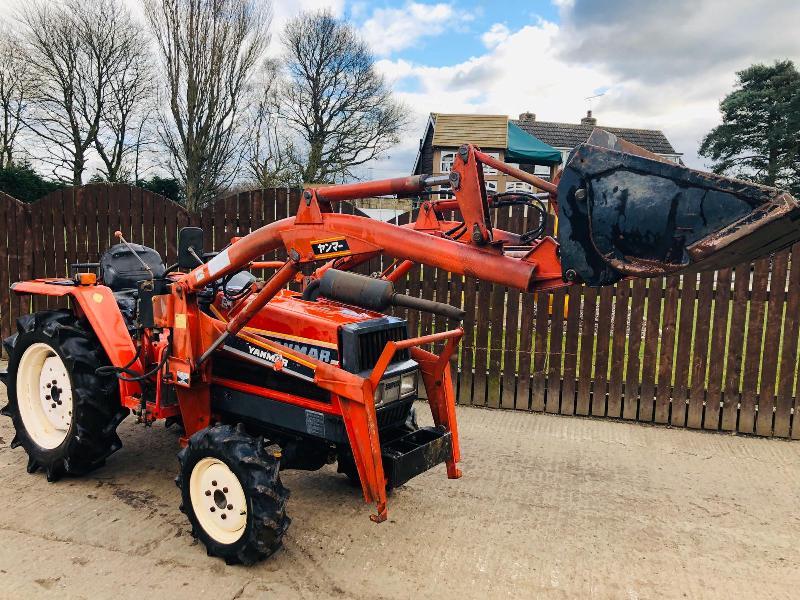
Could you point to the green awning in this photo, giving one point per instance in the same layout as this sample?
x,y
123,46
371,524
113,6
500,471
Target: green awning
x,y
526,149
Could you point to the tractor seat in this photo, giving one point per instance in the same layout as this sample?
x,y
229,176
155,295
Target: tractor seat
x,y
121,270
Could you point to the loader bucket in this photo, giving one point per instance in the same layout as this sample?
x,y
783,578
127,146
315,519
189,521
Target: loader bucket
x,y
624,212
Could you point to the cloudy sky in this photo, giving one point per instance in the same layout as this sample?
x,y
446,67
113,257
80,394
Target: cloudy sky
x,y
657,64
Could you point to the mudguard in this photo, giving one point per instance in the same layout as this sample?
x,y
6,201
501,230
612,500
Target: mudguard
x,y
97,304
625,212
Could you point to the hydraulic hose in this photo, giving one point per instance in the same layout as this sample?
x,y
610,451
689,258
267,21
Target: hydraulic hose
x,y
134,376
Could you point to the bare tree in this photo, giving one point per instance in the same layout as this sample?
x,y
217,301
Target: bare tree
x,y
336,101
269,153
78,51
127,107
16,88
209,50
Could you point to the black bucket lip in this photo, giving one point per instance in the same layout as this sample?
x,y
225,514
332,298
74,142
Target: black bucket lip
x,y
593,161
766,221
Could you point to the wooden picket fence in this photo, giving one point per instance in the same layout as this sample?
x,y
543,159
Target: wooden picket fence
x,y
715,351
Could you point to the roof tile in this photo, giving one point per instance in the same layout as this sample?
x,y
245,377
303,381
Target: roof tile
x,y
486,131
570,135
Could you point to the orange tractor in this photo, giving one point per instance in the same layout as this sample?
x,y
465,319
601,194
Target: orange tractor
x,y
262,378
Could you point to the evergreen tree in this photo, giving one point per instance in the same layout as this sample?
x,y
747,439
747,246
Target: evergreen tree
x,y
759,138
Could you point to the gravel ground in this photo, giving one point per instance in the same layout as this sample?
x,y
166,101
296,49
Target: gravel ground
x,y
549,507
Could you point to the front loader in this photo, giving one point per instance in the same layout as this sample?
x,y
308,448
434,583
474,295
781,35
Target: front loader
x,y
261,378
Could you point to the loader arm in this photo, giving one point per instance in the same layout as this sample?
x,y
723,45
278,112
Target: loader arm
x,y
317,233
622,212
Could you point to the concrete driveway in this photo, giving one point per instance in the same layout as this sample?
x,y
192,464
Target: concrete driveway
x,y
549,507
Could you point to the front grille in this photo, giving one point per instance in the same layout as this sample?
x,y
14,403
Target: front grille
x,y
393,414
371,345
362,343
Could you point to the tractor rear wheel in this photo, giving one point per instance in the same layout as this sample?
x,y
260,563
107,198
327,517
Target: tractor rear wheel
x,y
65,416
232,494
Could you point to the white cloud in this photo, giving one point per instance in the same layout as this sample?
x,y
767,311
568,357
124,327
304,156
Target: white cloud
x,y
662,66
391,29
671,63
521,73
497,33
395,70
357,9
283,11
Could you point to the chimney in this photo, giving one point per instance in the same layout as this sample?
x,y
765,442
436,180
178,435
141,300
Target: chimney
x,y
527,117
588,119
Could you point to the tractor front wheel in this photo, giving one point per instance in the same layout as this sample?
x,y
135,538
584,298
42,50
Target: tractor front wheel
x,y
232,494
64,414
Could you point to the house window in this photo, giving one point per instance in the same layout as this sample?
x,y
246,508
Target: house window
x,y
448,158
447,162
487,170
491,186
541,170
518,186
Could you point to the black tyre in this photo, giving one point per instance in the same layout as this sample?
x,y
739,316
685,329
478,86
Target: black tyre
x,y
232,494
346,465
65,416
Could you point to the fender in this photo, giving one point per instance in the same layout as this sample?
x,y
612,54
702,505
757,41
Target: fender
x,y
98,305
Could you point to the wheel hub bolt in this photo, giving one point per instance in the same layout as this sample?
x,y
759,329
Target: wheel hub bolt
x,y
223,516
213,509
214,483
224,490
208,492
230,506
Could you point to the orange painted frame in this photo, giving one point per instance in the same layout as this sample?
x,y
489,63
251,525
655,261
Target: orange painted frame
x,y
97,304
480,256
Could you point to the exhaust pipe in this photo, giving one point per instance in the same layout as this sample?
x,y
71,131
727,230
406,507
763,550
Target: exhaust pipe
x,y
377,294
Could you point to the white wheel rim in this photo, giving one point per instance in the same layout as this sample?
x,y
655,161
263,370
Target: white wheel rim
x,y
44,395
218,500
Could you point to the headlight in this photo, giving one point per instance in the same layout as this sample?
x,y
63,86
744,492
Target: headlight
x,y
394,388
408,384
391,390
388,390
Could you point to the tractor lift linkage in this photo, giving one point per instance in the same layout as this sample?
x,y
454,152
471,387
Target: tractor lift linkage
x,y
261,378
